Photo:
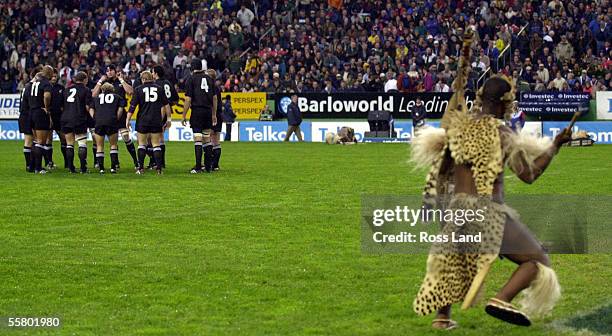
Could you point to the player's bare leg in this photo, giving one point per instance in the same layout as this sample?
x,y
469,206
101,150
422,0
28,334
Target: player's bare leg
x,y
69,161
208,151
99,140
62,138
197,138
152,163
216,150
40,137
48,153
81,139
142,151
114,152
162,144
94,146
28,141
129,144
157,151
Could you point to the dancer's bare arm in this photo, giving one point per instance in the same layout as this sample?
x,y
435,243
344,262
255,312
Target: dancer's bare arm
x,y
541,162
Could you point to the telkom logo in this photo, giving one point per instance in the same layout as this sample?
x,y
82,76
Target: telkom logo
x,y
267,134
10,134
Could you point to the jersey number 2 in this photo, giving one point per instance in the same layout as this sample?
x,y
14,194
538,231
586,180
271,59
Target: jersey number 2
x,y
70,98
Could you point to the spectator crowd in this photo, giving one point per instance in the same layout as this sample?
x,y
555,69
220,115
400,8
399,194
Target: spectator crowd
x,y
313,46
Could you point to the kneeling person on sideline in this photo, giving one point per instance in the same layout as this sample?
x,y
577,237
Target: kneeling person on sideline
x,y
153,104
107,110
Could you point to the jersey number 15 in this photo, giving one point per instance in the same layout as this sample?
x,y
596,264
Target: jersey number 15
x,y
150,94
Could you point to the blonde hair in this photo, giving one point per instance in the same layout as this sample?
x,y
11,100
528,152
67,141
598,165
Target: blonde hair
x,y
211,73
107,87
47,71
146,76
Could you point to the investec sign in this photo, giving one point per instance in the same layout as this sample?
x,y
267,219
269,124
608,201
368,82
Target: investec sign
x,y
358,104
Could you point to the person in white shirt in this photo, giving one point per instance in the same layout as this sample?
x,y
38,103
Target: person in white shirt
x,y
110,23
441,86
245,16
479,64
558,82
391,84
178,59
543,73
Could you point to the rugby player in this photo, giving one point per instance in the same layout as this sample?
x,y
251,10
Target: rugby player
x,y
39,103
153,104
107,110
215,137
25,125
57,103
122,88
171,95
77,102
200,96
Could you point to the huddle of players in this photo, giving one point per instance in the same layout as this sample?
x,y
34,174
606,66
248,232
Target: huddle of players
x,y
71,112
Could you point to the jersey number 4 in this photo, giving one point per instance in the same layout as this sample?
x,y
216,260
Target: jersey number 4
x,y
204,85
150,94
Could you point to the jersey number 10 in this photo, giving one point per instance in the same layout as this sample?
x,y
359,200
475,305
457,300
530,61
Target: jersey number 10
x,y
106,98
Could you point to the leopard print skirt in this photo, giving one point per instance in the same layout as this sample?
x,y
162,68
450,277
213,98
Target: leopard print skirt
x,y
451,265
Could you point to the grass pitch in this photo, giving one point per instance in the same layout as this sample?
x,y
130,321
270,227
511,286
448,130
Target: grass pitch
x,y
270,245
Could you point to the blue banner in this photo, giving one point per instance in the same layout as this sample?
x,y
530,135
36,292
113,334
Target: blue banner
x,y
555,97
600,131
271,131
9,130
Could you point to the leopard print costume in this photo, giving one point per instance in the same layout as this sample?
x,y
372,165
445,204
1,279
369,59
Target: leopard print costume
x,y
455,272
452,267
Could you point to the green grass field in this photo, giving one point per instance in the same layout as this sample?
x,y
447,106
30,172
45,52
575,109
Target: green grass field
x,y
268,246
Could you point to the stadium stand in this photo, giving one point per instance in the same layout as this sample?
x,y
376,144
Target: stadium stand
x,y
309,45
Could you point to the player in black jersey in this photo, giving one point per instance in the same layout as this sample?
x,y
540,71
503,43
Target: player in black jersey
x,y
152,105
39,102
171,95
25,125
77,102
215,138
200,96
57,104
122,88
107,110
